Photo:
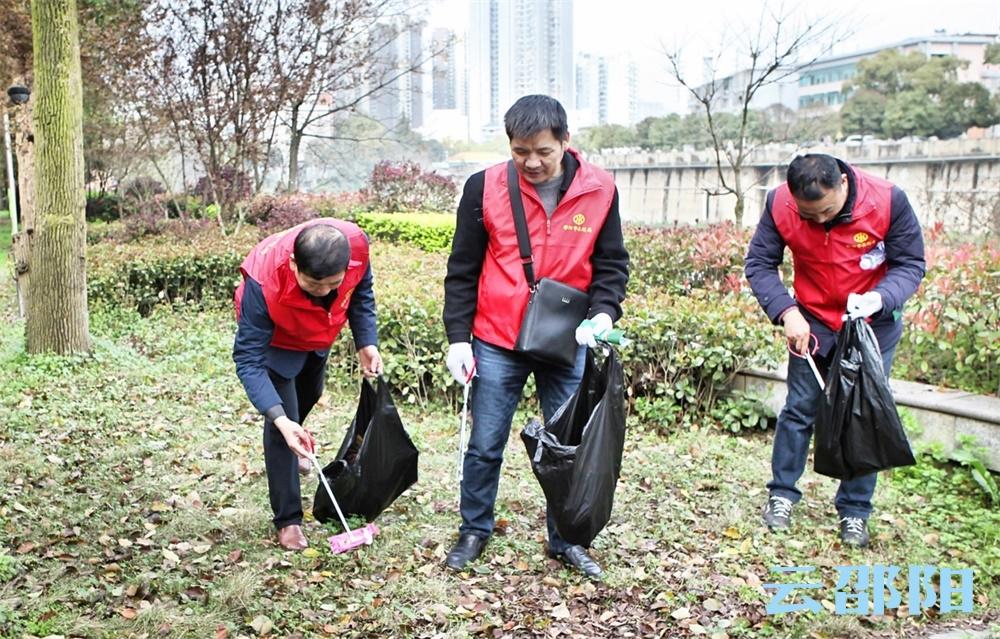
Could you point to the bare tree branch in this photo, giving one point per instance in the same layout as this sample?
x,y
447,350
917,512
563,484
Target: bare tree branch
x,y
772,50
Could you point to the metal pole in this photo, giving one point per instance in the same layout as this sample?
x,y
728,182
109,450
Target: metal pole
x,y
11,185
12,202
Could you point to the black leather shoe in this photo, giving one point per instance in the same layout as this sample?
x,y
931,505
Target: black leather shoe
x,y
467,548
577,557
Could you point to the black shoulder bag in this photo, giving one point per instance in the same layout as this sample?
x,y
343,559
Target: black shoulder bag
x,y
548,328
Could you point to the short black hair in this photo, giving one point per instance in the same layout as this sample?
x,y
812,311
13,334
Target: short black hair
x,y
811,175
321,250
532,114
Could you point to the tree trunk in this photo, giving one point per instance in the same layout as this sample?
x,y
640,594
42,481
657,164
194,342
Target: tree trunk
x,y
57,302
293,161
738,192
293,151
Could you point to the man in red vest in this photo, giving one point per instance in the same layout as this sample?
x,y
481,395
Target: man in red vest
x,y
856,248
571,210
299,288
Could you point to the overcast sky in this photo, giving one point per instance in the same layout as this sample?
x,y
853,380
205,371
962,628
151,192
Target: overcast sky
x,y
643,28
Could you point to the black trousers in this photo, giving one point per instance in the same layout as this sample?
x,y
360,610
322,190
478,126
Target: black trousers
x,y
298,394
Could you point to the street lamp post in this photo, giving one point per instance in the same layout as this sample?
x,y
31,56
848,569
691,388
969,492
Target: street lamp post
x,y
18,95
11,190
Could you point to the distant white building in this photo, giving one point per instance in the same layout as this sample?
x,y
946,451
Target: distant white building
x,y
822,83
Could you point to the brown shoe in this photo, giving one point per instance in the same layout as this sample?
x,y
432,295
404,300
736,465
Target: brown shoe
x,y
291,538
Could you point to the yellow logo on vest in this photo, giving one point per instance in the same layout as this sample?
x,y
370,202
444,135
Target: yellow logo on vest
x,y
578,225
862,240
347,298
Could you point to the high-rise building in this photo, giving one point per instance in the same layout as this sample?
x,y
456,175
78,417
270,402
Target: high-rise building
x,y
607,91
516,48
400,57
443,70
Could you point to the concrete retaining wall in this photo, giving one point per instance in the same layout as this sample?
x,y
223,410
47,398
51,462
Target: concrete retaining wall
x,y
943,414
956,182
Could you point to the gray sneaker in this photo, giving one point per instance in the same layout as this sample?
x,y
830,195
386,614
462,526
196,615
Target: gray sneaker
x,y
778,512
854,532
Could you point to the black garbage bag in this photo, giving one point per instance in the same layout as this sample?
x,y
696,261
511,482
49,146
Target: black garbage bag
x,y
858,430
376,462
577,455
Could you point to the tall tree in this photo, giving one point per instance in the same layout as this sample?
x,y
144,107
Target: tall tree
x,y
57,302
605,136
211,78
771,51
897,94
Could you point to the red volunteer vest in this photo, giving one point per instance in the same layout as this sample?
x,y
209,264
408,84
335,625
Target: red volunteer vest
x,y
300,325
561,246
829,265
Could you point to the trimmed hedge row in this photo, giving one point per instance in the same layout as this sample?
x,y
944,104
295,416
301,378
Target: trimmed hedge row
x,y
428,231
952,334
685,348
203,270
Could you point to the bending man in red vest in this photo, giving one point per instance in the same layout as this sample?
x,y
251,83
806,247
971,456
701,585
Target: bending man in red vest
x,y
571,209
856,247
299,289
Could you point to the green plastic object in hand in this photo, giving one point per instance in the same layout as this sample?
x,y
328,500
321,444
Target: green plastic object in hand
x,y
614,336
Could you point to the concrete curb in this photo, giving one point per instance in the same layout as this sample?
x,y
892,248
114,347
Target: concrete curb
x,y
944,414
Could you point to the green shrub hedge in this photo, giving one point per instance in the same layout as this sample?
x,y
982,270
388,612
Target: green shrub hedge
x,y
952,332
690,312
428,231
202,270
685,351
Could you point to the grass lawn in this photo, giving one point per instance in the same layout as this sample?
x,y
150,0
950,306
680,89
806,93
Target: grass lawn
x,y
4,232
133,504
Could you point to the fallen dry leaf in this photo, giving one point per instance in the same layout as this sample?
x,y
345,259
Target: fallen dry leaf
x,y
560,612
262,625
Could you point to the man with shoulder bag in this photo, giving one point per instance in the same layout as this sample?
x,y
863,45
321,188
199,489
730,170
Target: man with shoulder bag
x,y
537,270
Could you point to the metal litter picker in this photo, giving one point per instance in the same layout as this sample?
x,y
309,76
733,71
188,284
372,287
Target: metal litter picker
x,y
352,538
462,442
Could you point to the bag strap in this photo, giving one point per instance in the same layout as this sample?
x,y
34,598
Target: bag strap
x,y
520,224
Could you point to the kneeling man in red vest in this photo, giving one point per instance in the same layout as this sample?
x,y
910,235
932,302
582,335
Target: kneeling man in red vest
x,y
299,288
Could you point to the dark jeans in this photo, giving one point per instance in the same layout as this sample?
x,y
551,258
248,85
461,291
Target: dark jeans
x,y
496,392
298,395
791,441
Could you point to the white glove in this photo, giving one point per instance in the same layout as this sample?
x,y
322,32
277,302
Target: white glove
x,y
863,305
590,329
460,362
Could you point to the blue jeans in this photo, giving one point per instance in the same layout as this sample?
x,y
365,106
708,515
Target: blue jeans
x,y
501,375
791,442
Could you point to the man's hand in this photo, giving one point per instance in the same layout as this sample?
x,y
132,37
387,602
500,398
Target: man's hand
x,y
371,361
297,438
863,305
796,331
460,362
589,330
